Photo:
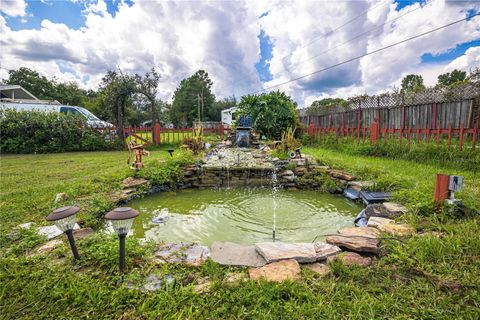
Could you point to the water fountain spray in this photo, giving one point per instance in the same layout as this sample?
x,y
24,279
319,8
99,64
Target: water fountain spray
x,y
274,203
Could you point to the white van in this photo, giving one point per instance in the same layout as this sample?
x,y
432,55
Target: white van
x,y
92,120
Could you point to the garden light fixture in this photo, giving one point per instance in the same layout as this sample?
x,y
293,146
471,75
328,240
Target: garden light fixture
x,y
171,152
65,218
122,220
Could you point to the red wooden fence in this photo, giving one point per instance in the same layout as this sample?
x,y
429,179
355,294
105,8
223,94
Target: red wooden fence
x,y
143,135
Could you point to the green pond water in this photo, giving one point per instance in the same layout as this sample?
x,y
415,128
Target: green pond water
x,y
242,215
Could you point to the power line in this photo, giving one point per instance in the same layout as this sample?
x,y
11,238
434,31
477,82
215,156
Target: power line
x,y
328,34
368,53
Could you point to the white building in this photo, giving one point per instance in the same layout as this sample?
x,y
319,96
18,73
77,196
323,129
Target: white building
x,y
228,115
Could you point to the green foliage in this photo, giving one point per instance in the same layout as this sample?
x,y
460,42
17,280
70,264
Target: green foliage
x,y
326,104
412,83
166,172
272,113
41,132
215,112
192,100
31,81
289,143
450,78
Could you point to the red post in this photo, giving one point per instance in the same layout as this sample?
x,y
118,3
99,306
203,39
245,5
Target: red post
x,y
310,130
343,124
359,119
384,135
157,133
438,136
408,136
441,188
374,132
460,143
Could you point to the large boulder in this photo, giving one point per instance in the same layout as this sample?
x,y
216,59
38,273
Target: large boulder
x,y
277,271
228,253
359,244
276,251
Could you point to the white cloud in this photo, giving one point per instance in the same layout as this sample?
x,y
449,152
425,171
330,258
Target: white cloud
x,y
467,62
179,38
13,8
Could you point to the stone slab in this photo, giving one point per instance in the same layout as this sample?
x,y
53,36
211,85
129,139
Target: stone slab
x,y
352,258
401,230
277,271
319,268
228,253
52,231
377,222
324,250
276,251
339,174
359,244
367,232
133,182
83,233
183,252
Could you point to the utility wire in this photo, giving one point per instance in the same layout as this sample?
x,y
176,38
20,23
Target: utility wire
x,y
362,34
368,53
328,34
349,40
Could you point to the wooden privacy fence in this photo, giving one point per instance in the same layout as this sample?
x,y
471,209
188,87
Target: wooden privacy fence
x,y
456,122
143,135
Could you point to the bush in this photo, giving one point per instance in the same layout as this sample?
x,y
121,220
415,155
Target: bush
x,y
272,113
44,132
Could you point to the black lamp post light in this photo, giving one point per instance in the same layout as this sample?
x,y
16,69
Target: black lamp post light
x,y
65,219
170,151
122,220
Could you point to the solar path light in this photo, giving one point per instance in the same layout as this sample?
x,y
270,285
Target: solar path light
x,y
171,152
65,218
122,220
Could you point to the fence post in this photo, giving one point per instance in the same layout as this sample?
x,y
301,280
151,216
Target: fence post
x,y
475,128
222,130
359,119
460,145
449,135
441,189
157,133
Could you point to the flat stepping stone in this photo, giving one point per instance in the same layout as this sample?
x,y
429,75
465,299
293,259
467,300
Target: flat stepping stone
x,y
276,251
277,271
324,250
367,232
233,254
133,182
360,185
401,230
319,268
183,252
376,222
359,244
351,259
52,231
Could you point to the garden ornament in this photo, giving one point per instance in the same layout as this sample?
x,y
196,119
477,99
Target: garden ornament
x,y
138,151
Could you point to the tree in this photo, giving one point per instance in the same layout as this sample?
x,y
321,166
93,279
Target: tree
x,y
117,90
413,83
70,94
326,104
474,75
192,99
272,113
33,82
215,112
147,85
450,78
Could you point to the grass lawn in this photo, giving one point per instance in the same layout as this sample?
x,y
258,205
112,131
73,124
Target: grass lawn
x,y
435,276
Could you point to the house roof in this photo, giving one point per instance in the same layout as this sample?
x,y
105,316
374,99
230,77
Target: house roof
x,y
15,92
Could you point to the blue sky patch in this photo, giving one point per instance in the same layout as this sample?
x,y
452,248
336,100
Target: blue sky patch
x,y
450,55
405,3
263,67
65,12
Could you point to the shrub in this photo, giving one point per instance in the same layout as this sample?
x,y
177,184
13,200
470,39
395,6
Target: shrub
x,y
272,113
44,132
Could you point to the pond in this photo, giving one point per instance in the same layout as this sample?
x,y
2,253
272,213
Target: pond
x,y
242,216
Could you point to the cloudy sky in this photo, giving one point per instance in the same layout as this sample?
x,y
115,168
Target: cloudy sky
x,y
245,46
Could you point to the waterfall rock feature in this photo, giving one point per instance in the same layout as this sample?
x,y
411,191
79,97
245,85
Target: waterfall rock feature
x,y
276,251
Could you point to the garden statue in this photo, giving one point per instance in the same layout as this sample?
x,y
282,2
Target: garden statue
x,y
139,151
